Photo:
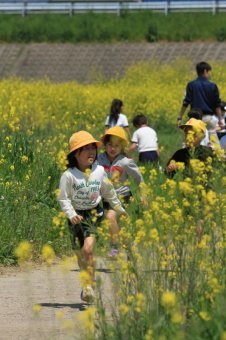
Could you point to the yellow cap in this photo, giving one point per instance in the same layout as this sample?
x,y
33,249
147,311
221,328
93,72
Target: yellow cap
x,y
82,138
197,124
116,131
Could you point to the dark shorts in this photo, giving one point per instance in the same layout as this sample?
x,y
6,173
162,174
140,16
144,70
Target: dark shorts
x,y
221,134
87,227
148,156
124,200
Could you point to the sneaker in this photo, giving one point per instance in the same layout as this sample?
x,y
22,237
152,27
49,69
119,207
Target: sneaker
x,y
113,253
87,294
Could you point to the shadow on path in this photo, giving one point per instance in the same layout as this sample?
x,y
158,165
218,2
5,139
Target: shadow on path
x,y
100,270
79,306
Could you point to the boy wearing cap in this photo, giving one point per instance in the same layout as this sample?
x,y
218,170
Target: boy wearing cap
x,y
119,168
194,131
82,186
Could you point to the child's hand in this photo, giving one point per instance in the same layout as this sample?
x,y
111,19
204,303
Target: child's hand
x,y
124,214
76,219
221,124
171,167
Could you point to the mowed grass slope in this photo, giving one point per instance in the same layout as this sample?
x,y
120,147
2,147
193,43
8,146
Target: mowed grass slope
x,y
129,26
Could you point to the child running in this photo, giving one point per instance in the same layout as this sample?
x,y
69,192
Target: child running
x,y
145,138
82,186
118,168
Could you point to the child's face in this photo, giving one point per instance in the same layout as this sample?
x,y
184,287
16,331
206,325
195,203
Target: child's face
x,y
86,156
114,147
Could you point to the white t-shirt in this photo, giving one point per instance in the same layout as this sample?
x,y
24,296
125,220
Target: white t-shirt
x,y
82,192
205,141
146,139
122,121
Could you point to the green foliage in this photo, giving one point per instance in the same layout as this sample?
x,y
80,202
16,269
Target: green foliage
x,y
27,201
129,26
169,281
221,34
152,35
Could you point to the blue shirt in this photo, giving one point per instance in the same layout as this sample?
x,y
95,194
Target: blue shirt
x,y
202,94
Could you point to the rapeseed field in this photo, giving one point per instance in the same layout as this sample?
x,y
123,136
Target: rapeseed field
x,y
170,277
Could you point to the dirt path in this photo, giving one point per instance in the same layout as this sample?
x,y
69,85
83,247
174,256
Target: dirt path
x,y
54,290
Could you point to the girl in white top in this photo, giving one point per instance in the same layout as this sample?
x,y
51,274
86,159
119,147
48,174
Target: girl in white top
x,y
116,117
82,186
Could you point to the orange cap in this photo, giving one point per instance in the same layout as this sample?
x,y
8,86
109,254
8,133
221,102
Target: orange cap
x,y
116,131
196,124
82,138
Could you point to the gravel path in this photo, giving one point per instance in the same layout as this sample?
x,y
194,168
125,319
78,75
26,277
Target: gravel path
x,y
58,294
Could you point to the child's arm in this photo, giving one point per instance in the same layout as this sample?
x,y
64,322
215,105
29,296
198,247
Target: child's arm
x,y
132,170
109,194
131,148
65,200
128,131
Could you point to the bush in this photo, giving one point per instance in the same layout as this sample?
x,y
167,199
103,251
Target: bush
x,y
221,34
152,34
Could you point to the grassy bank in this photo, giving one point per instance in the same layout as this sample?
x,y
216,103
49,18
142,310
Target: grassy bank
x,y
92,27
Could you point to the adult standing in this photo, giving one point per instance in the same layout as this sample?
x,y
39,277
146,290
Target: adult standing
x,y
204,94
116,117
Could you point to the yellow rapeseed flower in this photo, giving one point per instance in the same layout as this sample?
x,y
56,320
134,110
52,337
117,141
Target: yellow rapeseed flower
x,y
190,138
154,235
85,278
186,187
24,251
88,319
149,335
124,309
140,302
168,299
62,159
48,254
223,336
36,309
177,318
211,197
24,159
204,316
142,169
